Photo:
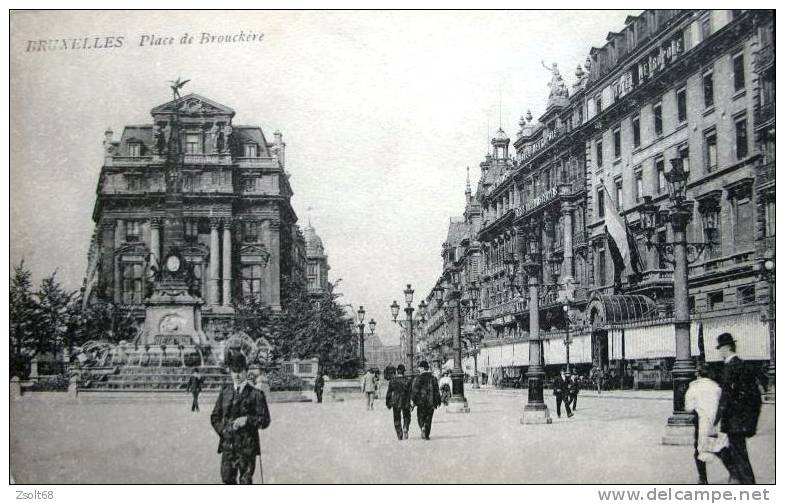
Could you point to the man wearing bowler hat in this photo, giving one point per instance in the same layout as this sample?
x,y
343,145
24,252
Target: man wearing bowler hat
x,y
425,395
239,413
738,411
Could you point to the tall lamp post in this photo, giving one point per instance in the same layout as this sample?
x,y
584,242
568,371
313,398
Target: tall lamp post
x,y
567,340
679,253
535,411
458,303
361,328
768,276
408,294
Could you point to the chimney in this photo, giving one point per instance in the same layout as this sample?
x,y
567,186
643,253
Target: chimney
x,y
108,135
280,148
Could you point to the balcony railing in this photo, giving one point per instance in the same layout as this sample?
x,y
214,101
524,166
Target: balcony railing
x,y
724,263
507,308
764,58
656,276
580,239
765,247
764,114
200,159
765,174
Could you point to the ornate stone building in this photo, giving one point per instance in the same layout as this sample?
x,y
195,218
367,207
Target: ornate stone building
x,y
317,268
217,192
691,85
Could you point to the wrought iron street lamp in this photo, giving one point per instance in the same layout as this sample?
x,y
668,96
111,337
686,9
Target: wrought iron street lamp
x,y
460,305
535,411
408,295
361,327
474,337
767,274
567,339
680,254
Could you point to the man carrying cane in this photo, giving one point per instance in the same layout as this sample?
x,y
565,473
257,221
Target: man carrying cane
x,y
240,411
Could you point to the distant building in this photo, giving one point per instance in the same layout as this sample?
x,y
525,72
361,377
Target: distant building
x,y
317,268
226,209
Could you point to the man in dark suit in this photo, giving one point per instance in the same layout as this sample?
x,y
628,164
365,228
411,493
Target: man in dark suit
x,y
399,401
574,388
194,387
561,389
318,387
239,413
425,395
738,411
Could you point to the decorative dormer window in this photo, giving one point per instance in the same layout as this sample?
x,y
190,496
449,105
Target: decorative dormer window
x,y
135,149
250,150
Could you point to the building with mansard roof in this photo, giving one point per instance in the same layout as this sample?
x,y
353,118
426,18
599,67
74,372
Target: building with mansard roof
x,y
696,86
195,182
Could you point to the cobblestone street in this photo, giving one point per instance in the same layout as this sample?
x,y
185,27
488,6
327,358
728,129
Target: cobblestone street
x,y
611,439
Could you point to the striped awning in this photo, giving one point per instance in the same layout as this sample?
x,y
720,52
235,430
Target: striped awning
x,y
611,309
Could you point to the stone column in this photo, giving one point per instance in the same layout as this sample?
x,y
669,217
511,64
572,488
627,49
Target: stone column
x,y
547,247
119,235
107,257
215,266
275,264
155,242
227,261
568,265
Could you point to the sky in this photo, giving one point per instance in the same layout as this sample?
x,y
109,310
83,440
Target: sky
x,y
382,113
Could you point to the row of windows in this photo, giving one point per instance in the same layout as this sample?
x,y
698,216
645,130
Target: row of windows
x,y
193,145
133,281
681,112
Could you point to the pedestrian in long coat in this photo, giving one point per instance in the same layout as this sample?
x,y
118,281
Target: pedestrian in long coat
x,y
194,387
561,389
239,412
318,387
574,388
399,400
368,383
739,410
425,395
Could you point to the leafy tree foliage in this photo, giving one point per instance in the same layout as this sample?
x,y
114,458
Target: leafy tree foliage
x,y
23,321
305,327
54,320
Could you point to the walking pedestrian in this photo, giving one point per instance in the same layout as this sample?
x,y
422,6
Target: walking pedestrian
x,y
399,400
318,387
194,387
425,395
445,387
597,378
574,389
239,412
369,389
739,410
703,397
561,389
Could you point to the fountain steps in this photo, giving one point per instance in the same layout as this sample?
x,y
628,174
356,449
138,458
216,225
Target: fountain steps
x,y
155,379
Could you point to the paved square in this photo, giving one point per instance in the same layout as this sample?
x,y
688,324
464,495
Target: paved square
x,y
610,440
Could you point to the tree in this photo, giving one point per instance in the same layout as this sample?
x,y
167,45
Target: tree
x,y
23,319
55,318
305,327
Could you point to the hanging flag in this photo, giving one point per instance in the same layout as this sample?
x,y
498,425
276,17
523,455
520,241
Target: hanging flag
x,y
621,242
701,343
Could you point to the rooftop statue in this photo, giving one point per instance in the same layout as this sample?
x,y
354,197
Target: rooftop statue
x,y
559,94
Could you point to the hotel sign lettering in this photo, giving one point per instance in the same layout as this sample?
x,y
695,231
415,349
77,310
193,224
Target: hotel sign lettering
x,y
547,137
537,201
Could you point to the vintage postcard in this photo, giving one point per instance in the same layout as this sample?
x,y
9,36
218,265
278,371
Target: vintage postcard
x,y
393,247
